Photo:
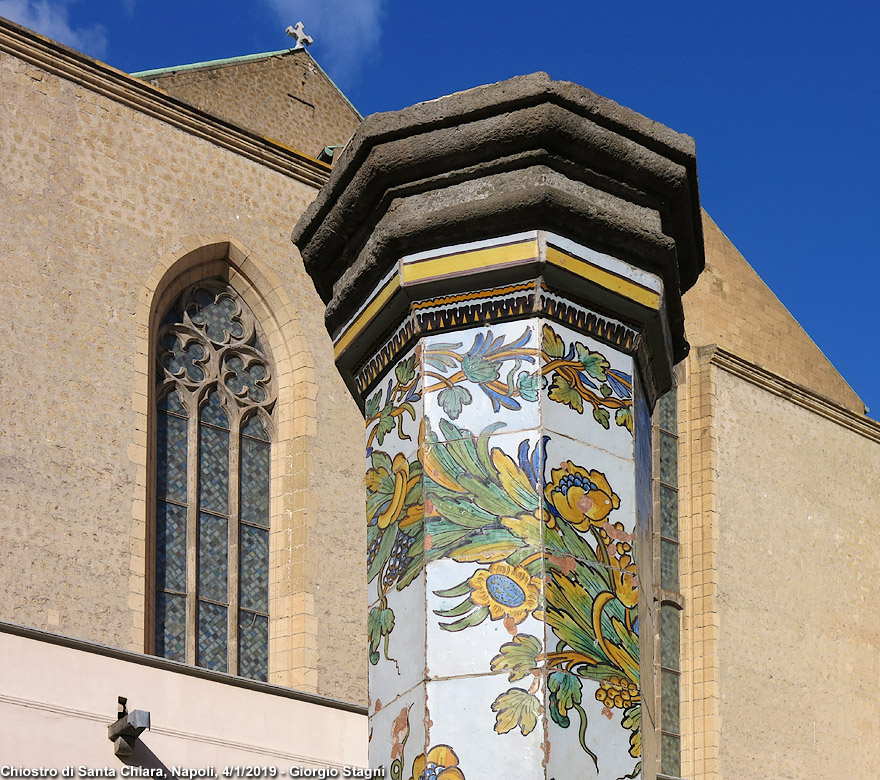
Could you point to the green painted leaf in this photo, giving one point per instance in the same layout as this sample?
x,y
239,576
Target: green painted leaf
x,y
490,546
518,657
477,369
373,404
624,418
551,344
606,391
474,619
452,399
405,370
529,386
602,417
566,689
562,392
381,460
462,589
463,512
436,360
385,548
594,363
385,425
459,609
516,709
380,621
558,717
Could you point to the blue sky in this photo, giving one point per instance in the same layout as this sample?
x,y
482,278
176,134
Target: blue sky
x,y
783,99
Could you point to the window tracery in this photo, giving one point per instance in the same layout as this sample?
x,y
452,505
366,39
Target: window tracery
x,y
214,420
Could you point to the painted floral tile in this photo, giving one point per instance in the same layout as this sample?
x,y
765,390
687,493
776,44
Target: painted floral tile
x,y
482,497
592,625
476,610
481,377
397,734
396,636
589,500
592,666
394,493
584,731
394,409
587,389
487,727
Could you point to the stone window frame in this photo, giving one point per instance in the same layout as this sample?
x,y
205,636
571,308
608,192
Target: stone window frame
x,y
293,628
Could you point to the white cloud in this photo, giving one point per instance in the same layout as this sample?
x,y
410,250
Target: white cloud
x,y
346,32
50,19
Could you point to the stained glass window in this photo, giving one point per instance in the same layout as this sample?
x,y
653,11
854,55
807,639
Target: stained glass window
x,y
213,424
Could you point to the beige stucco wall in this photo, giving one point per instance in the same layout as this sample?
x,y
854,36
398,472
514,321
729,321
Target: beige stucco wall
x,y
104,206
799,642
285,97
56,703
781,638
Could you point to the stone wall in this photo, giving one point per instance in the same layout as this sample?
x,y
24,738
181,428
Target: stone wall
x,y
799,630
732,307
284,96
109,201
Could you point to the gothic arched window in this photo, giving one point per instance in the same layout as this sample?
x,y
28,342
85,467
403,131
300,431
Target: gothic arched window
x,y
215,396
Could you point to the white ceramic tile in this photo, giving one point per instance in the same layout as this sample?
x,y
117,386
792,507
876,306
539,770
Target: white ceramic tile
x,y
395,409
393,496
501,600
401,665
606,737
578,478
397,733
575,419
460,714
505,355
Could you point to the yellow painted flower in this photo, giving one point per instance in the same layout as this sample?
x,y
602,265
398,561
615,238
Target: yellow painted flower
x,y
441,763
626,583
581,497
508,591
391,488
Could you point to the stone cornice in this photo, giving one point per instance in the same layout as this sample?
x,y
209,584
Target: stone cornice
x,y
797,394
139,95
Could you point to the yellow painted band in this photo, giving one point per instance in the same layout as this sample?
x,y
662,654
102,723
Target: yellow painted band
x,y
610,281
475,260
353,330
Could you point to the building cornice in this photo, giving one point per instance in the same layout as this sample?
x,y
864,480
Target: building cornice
x,y
155,102
167,665
797,394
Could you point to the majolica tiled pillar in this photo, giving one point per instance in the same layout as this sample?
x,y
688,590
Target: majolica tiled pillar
x,y
503,271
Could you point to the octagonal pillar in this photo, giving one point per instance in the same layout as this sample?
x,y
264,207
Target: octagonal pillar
x,y
503,271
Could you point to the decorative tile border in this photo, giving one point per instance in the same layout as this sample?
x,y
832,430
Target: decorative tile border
x,y
491,305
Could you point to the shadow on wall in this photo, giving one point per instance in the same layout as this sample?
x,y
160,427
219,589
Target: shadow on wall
x,y
145,758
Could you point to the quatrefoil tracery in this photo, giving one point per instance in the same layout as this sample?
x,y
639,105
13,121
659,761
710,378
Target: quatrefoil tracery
x,y
214,344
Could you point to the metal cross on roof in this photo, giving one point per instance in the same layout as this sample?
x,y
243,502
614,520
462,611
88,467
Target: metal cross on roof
x,y
297,32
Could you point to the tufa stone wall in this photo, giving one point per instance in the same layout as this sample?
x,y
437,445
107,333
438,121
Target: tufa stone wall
x,y
108,211
285,97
